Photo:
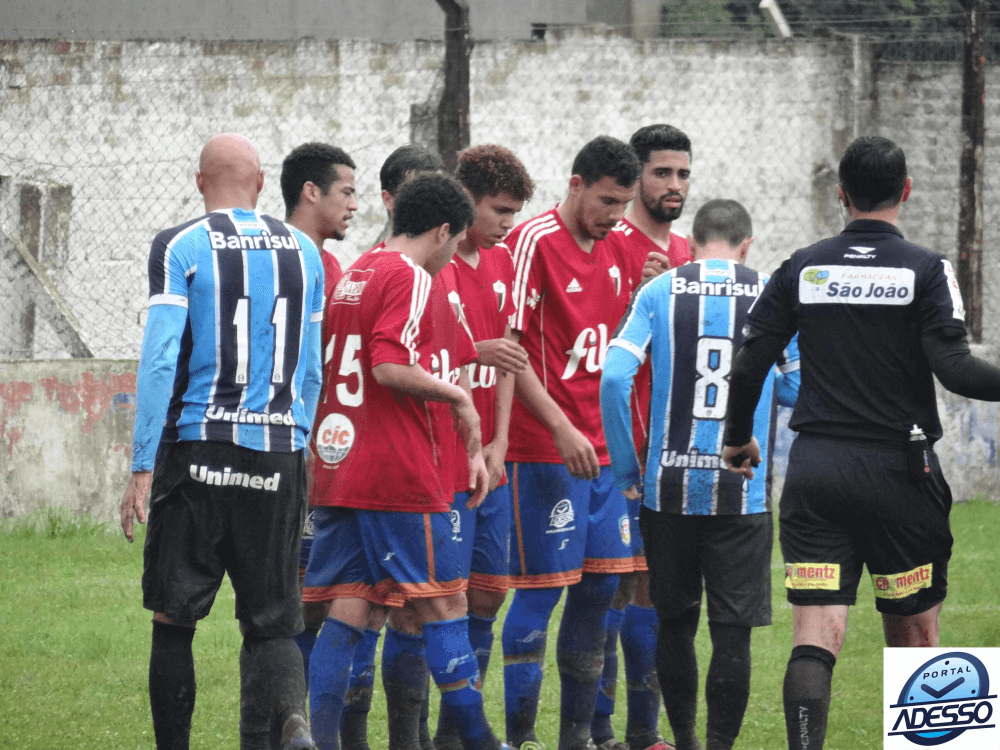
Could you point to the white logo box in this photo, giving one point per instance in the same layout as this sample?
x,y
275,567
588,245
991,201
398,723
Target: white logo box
x,y
941,698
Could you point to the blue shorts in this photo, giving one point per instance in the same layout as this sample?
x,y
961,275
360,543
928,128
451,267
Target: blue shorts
x,y
483,536
381,556
565,526
638,546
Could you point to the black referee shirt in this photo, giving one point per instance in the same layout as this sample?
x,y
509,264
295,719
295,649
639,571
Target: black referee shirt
x,y
860,302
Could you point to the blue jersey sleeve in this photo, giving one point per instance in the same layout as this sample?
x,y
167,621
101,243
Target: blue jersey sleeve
x,y
313,380
154,384
789,375
626,352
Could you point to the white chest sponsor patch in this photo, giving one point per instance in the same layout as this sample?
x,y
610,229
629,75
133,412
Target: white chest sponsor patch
x,y
856,285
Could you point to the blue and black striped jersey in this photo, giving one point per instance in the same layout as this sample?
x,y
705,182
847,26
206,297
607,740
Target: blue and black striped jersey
x,y
252,288
690,323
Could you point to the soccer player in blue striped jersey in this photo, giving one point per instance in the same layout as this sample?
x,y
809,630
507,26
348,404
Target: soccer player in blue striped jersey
x,y
227,388
699,522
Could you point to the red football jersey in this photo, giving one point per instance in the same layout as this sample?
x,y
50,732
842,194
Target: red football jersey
x,y
489,307
568,303
444,351
375,446
636,246
331,273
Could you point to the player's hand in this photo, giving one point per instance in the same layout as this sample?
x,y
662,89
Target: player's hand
x,y
742,459
503,354
493,455
632,493
467,424
479,480
577,453
134,502
656,263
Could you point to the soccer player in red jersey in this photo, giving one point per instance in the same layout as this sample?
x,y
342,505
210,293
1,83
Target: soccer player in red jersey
x,y
571,525
665,155
384,495
484,275
646,237
317,183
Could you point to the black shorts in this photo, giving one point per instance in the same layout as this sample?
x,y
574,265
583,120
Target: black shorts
x,y
731,553
846,504
217,508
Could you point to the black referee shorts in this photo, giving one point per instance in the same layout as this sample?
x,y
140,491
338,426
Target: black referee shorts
x,y
218,508
846,505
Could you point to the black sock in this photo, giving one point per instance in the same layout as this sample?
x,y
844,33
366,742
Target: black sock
x,y
807,696
677,671
728,687
272,688
171,685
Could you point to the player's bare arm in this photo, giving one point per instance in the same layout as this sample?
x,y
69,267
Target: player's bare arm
x,y
504,354
415,381
134,501
574,448
496,451
479,477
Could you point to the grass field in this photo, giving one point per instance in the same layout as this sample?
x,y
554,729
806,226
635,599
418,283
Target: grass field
x,y
74,646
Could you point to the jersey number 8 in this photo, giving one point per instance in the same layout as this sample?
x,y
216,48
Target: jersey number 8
x,y
711,390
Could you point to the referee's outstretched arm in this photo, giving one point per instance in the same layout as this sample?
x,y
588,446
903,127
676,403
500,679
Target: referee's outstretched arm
x,y
958,369
751,366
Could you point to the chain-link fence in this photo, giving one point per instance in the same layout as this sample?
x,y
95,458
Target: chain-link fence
x,y
99,143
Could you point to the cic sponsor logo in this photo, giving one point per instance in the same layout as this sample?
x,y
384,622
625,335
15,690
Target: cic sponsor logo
x,y
944,700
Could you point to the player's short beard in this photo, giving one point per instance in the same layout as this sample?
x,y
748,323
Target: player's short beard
x,y
662,215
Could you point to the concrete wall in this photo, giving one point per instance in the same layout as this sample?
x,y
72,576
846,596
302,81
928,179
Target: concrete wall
x,y
65,435
101,141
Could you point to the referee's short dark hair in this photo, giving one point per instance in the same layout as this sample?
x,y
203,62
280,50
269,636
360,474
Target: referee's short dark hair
x,y
429,200
659,137
722,219
406,160
873,173
311,162
605,156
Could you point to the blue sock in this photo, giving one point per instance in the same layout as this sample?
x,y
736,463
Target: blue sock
x,y
600,727
580,654
358,702
456,672
481,639
329,676
404,678
639,649
306,641
524,634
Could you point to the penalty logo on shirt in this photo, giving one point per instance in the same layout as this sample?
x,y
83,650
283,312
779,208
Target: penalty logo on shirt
x,y
942,700
334,438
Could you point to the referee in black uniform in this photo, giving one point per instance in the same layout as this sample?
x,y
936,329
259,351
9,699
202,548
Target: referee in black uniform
x,y
877,318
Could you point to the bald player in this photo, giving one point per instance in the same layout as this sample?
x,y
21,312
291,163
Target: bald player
x,y
228,383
